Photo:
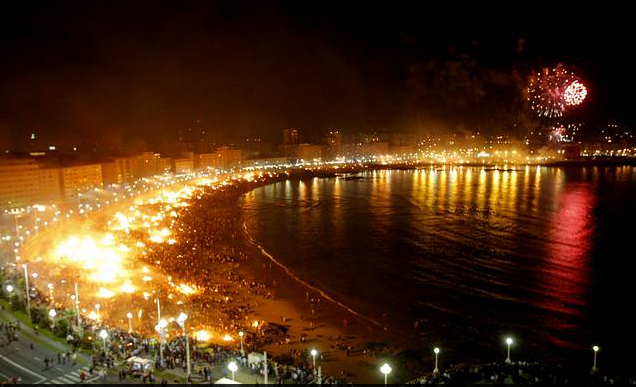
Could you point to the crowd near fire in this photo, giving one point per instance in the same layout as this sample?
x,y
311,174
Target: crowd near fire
x,y
145,252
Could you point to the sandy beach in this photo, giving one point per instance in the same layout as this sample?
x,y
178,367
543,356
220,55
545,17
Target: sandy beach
x,y
236,283
349,341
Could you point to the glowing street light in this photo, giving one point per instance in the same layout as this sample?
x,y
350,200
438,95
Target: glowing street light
x,y
52,314
9,288
595,349
509,343
129,315
232,367
202,335
161,329
386,370
241,336
104,335
26,284
313,353
436,350
77,311
181,321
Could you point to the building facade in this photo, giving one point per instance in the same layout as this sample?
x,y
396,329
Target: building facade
x,y
183,165
334,145
229,157
49,182
146,164
75,179
309,152
164,165
19,183
290,136
206,160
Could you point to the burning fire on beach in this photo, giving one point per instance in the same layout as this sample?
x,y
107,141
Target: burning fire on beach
x,y
107,259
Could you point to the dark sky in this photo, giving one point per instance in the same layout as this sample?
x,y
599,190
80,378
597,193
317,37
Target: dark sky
x,y
135,71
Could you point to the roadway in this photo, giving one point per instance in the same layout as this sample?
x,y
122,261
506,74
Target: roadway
x,y
18,359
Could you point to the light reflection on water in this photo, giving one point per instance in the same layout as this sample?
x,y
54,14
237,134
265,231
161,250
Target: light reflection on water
x,y
468,252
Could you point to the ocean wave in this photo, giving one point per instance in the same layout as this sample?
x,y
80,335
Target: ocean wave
x,y
304,283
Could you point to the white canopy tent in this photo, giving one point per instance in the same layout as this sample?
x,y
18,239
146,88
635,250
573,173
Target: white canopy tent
x,y
226,381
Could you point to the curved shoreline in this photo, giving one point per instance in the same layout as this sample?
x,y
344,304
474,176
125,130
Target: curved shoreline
x,y
419,342
304,283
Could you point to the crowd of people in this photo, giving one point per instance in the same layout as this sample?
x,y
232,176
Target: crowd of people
x,y
9,332
206,359
207,254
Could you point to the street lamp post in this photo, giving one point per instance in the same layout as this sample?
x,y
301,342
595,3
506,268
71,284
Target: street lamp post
x,y
241,336
129,315
386,370
159,323
181,321
52,314
436,350
313,357
26,284
509,343
77,312
104,335
232,367
595,349
160,328
265,370
97,307
158,310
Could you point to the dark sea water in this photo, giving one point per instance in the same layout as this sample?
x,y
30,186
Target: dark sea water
x,y
545,255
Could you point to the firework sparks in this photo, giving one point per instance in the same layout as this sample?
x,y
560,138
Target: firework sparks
x,y
552,90
575,93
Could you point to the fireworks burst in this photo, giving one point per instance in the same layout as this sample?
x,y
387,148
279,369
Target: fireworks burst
x,y
552,90
575,93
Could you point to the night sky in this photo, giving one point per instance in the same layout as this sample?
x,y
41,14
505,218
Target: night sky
x,y
133,72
